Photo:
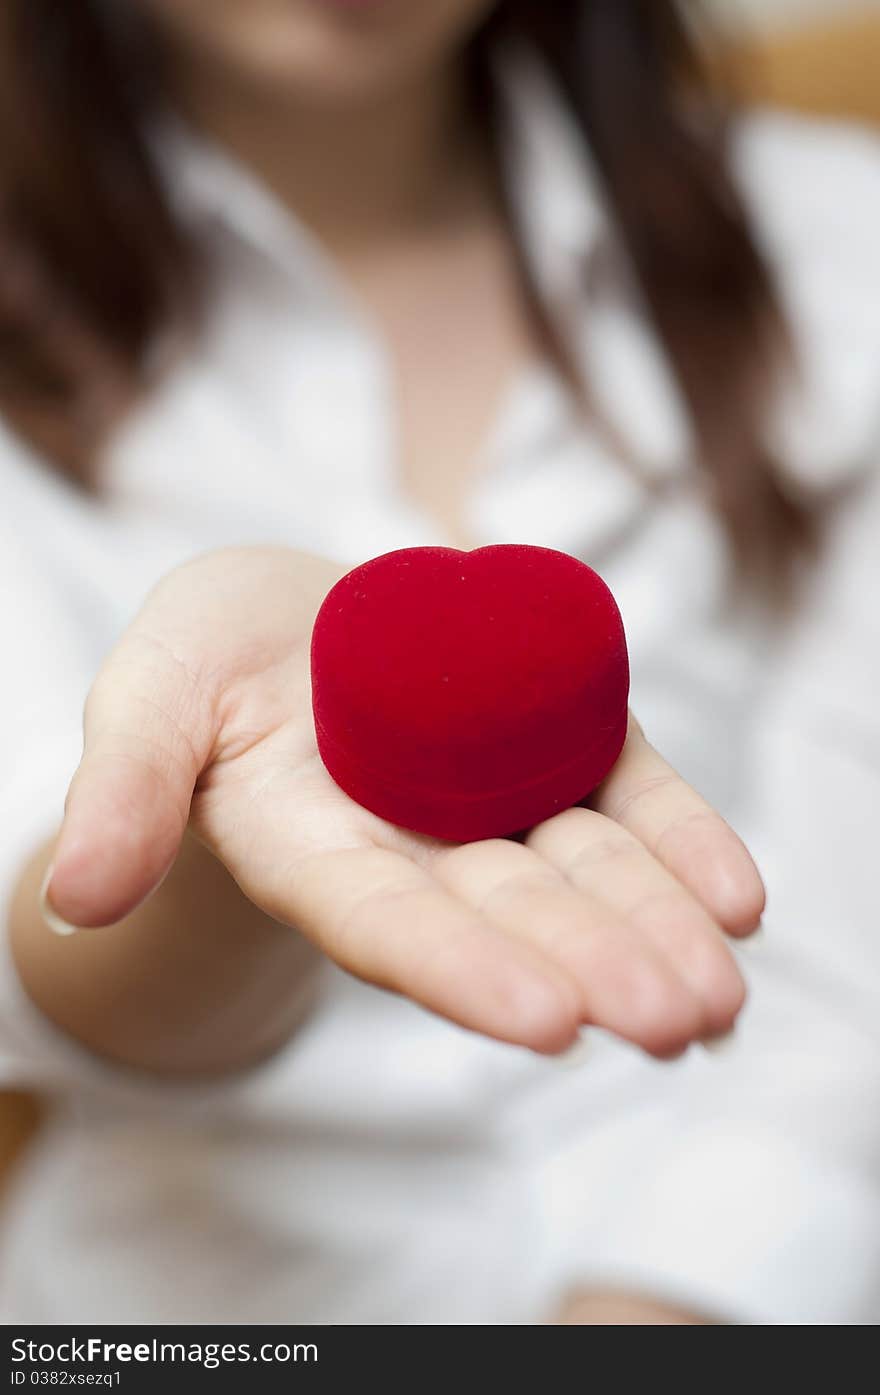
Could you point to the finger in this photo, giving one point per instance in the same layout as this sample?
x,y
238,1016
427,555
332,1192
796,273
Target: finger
x,y
648,798
386,920
596,855
147,733
624,983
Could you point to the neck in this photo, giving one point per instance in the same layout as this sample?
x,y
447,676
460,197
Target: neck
x,y
356,174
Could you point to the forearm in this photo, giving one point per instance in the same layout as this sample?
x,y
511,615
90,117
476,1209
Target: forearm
x,y
196,980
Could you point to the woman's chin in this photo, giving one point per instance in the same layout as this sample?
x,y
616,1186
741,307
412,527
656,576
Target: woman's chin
x,y
317,51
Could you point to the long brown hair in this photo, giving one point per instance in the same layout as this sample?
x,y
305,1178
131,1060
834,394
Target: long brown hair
x,y
93,264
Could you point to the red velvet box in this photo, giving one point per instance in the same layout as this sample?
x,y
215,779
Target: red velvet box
x,y
469,694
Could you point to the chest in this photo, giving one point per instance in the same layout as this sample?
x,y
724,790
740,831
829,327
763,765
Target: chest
x,y
455,322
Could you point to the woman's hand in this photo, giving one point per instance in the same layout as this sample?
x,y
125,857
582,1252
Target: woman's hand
x,y
613,915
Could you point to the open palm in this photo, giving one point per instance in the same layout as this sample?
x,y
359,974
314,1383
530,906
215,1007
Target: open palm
x,y
613,914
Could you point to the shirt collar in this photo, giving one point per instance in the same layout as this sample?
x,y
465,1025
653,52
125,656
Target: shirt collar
x,y
221,201
552,177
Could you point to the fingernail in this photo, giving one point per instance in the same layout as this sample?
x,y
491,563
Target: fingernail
x,y
721,1045
50,916
575,1055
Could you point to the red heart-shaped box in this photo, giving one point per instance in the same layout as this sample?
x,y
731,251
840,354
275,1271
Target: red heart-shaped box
x,y
469,694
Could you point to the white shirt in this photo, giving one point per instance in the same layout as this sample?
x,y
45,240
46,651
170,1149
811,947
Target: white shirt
x,y
387,1166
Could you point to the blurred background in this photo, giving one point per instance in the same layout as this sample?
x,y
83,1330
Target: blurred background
x,y
816,56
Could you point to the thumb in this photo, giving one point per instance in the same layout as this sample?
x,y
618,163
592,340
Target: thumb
x,y
148,732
